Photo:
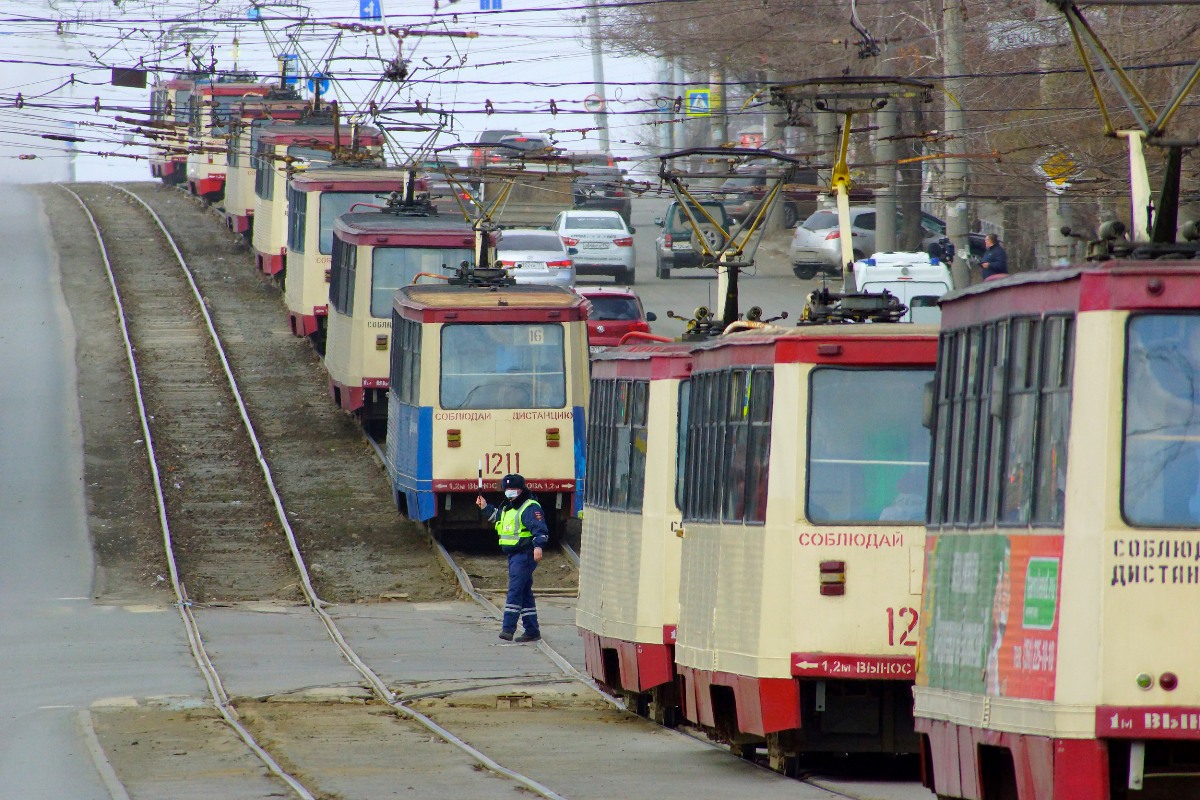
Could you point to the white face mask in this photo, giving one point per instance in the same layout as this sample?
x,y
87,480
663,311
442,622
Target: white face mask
x,y
512,494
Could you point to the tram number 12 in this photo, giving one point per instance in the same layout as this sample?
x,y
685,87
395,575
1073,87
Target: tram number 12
x,y
501,463
902,627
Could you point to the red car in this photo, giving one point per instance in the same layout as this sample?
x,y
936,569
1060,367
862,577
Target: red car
x,y
614,312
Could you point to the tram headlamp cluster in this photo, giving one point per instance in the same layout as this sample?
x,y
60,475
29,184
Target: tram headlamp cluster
x,y
381,342
552,437
453,437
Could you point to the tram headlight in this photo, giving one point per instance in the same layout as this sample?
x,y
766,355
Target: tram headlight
x,y
1168,681
1145,680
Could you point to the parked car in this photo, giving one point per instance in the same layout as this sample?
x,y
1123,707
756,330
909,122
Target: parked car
x,y
603,187
741,194
482,156
533,255
674,246
817,247
613,312
603,241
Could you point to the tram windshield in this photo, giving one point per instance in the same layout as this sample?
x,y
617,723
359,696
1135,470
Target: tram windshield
x,y
1161,480
334,204
393,267
868,453
509,365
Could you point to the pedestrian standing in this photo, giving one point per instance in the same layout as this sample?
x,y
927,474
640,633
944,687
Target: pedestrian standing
x,y
521,526
995,260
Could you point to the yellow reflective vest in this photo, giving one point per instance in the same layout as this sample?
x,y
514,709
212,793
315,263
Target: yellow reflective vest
x,y
511,527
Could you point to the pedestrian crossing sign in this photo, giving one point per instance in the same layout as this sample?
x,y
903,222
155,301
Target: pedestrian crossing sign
x,y
698,103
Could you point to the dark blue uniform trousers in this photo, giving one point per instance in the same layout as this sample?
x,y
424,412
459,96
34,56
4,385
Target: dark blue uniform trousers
x,y
519,603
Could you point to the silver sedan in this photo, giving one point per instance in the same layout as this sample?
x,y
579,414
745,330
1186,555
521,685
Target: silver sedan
x,y
604,243
532,255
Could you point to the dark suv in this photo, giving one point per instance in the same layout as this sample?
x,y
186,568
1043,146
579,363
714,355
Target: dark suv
x,y
674,248
603,188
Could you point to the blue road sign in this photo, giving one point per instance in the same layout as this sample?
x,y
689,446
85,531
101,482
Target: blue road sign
x,y
490,5
697,103
322,80
369,9
254,13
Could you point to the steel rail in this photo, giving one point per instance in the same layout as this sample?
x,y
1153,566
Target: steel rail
x,y
211,677
377,684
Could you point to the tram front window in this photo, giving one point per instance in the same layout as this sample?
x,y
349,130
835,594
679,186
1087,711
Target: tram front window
x,y
517,365
333,205
393,267
868,454
1161,480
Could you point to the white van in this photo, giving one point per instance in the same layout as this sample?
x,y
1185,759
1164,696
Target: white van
x,y
917,279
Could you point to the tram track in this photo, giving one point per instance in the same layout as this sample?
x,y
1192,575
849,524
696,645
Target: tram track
x,y
154,314
280,566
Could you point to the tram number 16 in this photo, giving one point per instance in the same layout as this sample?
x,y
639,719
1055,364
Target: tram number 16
x,y
902,627
501,463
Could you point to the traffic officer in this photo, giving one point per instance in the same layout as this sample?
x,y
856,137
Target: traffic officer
x,y
521,525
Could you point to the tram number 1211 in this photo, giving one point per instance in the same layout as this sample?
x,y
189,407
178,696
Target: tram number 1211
x,y
902,627
501,463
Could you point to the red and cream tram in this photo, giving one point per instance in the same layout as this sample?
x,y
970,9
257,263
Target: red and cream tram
x,y
214,111
316,198
628,605
252,116
802,471
170,112
374,253
1059,659
490,378
284,149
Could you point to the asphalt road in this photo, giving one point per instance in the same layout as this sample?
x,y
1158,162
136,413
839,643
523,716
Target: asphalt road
x,y
769,285
59,653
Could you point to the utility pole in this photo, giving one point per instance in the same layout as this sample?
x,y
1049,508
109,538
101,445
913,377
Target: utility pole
x,y
887,123
716,104
954,186
593,15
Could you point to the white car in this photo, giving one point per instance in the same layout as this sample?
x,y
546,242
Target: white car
x,y
604,243
532,255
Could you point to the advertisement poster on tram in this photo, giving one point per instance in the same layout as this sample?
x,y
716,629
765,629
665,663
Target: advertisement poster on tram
x,y
992,615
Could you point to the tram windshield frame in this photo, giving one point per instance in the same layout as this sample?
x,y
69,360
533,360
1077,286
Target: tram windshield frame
x,y
1160,460
868,453
500,365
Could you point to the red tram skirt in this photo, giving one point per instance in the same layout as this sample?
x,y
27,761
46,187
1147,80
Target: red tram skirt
x,y
764,705
643,665
271,264
1046,768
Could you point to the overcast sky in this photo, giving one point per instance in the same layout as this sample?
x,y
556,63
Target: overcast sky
x,y
519,45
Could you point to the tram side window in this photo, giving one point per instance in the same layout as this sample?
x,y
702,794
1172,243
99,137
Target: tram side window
x,y
617,444
681,441
1002,417
1161,462
297,218
342,271
503,365
598,480
183,102
393,267
725,434
868,454
264,172
406,360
